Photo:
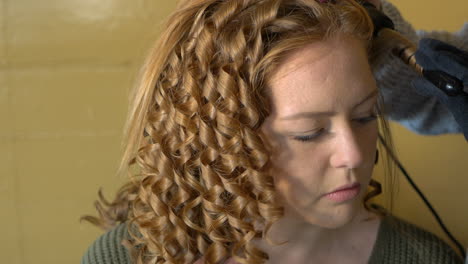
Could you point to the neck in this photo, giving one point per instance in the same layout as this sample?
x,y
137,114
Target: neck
x,y
304,240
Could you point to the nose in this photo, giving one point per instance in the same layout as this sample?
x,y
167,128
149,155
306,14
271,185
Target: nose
x,y
349,149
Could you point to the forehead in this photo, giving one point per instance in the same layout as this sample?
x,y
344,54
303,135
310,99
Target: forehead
x,y
323,76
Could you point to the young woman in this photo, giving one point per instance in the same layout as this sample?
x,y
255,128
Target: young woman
x,y
252,139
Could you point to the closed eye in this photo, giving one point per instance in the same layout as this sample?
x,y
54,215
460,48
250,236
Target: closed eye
x,y
320,132
367,119
311,137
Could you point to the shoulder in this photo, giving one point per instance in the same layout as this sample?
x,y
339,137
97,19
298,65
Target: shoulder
x,y
108,248
399,241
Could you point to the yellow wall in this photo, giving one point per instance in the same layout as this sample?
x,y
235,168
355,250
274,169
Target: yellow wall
x,y
65,69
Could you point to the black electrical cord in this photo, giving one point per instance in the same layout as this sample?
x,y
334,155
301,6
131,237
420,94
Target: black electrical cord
x,y
423,197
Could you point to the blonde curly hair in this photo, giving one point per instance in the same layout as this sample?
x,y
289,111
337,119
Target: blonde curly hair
x,y
194,151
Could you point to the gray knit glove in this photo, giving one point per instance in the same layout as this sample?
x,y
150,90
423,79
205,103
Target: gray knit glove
x,y
435,55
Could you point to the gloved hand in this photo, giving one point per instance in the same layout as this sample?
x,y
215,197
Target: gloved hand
x,y
435,55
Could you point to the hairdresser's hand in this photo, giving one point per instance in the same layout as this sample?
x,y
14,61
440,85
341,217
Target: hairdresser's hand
x,y
439,56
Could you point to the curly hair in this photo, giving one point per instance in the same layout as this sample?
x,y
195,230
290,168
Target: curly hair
x,y
194,152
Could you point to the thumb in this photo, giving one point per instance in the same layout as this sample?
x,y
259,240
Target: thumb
x,y
458,105
426,88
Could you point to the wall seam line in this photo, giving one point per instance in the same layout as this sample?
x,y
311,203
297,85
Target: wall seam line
x,y
14,143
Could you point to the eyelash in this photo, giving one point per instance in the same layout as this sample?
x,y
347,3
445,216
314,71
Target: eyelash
x,y
316,135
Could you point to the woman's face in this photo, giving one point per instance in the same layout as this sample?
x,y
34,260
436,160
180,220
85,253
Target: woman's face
x,y
323,130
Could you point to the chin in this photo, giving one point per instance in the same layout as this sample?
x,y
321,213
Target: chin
x,y
334,216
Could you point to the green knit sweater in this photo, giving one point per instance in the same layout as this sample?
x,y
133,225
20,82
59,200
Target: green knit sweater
x,y
397,242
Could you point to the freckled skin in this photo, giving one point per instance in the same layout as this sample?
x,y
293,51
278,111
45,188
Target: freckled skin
x,y
332,76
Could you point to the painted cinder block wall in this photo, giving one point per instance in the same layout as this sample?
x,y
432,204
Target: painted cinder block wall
x,y
66,67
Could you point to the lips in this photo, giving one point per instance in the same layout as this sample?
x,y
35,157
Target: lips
x,y
345,187
344,193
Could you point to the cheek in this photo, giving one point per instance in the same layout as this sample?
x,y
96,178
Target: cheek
x,y
301,158
298,172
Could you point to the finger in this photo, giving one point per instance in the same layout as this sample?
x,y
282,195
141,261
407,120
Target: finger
x,y
438,46
426,88
436,55
454,64
424,57
458,105
435,48
430,43
460,56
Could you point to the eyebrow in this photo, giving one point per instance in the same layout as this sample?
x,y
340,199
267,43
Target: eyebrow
x,y
327,113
